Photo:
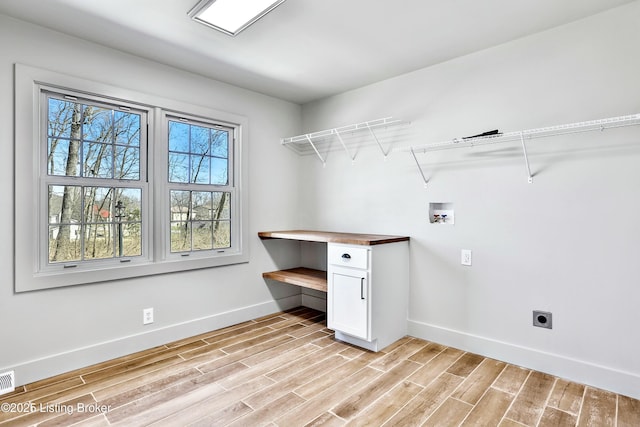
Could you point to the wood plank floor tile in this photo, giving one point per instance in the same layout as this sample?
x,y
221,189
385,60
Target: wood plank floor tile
x,y
530,402
418,409
511,379
207,411
280,388
333,377
326,420
553,417
390,403
355,403
598,408
427,353
329,397
476,384
274,410
566,396
465,365
433,368
330,353
450,413
628,412
398,354
489,410
287,370
301,353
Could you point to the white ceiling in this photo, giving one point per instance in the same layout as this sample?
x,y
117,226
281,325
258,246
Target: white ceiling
x,y
306,49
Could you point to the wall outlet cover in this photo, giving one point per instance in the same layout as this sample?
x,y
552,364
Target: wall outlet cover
x,y
465,257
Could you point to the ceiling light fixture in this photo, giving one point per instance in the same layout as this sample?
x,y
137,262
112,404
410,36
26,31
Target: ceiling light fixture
x,y
231,16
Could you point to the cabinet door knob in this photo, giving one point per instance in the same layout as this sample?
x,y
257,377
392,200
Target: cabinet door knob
x,y
346,256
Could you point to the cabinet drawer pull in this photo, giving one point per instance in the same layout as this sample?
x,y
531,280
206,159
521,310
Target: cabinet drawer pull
x,y
346,256
362,288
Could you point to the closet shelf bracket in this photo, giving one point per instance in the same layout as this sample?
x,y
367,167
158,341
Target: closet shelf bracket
x,y
424,179
316,150
526,158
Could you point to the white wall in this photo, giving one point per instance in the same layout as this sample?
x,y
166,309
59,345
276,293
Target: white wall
x,y
568,243
53,331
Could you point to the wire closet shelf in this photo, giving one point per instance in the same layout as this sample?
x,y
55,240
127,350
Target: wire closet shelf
x,y
523,136
309,143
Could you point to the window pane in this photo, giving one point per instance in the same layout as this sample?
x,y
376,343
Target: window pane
x,y
202,205
180,202
131,239
219,171
127,162
178,168
64,213
63,158
127,222
178,137
222,234
200,141
131,199
98,160
99,241
202,235
221,209
180,236
200,169
127,128
98,204
97,125
220,143
63,116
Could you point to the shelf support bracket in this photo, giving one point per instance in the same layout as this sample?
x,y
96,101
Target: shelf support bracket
x,y
353,158
377,141
526,158
419,167
324,163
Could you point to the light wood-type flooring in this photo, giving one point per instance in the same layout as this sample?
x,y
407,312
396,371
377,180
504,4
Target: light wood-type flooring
x,y
287,369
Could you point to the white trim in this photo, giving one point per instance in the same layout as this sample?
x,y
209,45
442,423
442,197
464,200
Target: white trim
x,y
580,371
55,364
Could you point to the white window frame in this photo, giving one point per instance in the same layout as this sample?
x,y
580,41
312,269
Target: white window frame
x,y
30,273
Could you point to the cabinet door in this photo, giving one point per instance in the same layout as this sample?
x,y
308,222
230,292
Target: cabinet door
x,y
348,305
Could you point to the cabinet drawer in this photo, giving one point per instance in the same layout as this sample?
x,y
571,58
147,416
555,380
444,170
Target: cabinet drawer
x,y
348,256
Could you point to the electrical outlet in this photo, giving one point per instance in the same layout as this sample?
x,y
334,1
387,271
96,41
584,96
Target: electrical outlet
x,y
465,257
147,316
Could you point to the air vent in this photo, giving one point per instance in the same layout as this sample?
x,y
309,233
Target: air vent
x,y
7,382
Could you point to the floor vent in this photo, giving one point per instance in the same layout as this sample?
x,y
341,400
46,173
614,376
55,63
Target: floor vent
x,y
7,382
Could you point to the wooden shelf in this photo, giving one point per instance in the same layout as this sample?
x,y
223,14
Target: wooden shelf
x,y
301,276
332,237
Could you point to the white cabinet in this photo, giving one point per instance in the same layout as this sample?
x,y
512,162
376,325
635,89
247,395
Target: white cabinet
x,y
367,293
348,302
367,283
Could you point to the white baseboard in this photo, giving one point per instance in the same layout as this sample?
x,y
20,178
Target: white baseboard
x,y
580,371
55,364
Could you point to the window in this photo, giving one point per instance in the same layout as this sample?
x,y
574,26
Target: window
x,y
94,180
122,186
200,188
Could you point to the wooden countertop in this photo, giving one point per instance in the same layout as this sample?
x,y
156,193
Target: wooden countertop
x,y
332,237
